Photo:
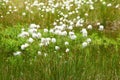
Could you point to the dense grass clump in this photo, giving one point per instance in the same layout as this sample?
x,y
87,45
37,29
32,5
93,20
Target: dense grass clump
x,y
59,40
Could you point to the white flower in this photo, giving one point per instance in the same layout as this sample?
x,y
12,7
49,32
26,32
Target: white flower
x,y
66,43
62,27
41,44
117,6
45,54
67,50
88,40
54,23
37,26
36,35
101,27
78,24
98,23
58,32
32,26
104,3
73,37
109,5
30,40
70,27
57,47
23,13
17,53
91,7
45,41
33,30
89,26
51,30
71,33
84,32
39,52
45,30
64,33
8,12
23,34
24,46
53,40
86,14
84,44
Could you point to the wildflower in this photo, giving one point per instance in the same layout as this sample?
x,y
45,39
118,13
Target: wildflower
x,y
84,32
32,30
66,43
17,53
104,3
57,47
23,13
45,54
41,44
53,40
79,23
32,26
91,7
24,46
86,14
88,40
109,5
45,30
71,33
36,35
84,44
23,34
30,40
51,30
48,39
117,6
89,26
1,16
101,27
39,52
98,23
67,50
57,32
37,26
45,41
8,12
10,7
64,33
73,37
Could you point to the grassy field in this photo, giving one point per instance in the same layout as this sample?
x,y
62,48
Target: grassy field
x,y
59,40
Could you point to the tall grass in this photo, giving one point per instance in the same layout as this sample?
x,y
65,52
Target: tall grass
x,y
99,60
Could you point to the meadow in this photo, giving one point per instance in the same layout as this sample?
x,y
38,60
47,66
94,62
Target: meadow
x,y
59,40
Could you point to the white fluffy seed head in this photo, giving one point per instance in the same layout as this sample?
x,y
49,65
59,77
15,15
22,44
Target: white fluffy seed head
x,y
17,53
57,47
66,43
67,50
53,40
45,30
88,40
101,27
84,44
89,26
30,40
39,53
84,32
73,37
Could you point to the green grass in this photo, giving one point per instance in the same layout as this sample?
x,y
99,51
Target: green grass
x,y
100,60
